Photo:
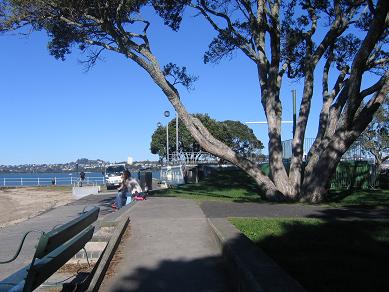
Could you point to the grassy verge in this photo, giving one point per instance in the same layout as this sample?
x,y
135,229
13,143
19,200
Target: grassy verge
x,y
53,188
325,256
226,185
359,198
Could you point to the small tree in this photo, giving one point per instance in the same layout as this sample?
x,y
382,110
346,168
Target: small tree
x,y
375,139
233,133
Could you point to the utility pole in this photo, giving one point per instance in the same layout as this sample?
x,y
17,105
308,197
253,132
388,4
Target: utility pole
x,y
294,111
176,136
167,114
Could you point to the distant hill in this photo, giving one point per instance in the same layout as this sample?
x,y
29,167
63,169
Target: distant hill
x,y
82,164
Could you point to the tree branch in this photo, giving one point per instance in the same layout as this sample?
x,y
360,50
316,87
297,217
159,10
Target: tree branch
x,y
375,87
365,116
377,27
242,42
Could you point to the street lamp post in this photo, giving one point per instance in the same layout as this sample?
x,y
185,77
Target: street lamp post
x,y
167,114
176,135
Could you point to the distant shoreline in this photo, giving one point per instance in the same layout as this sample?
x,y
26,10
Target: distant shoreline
x,y
74,171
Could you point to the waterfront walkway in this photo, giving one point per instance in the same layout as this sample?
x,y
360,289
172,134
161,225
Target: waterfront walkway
x,y
171,248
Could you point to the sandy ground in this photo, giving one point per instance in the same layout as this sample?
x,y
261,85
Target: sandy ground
x,y
19,204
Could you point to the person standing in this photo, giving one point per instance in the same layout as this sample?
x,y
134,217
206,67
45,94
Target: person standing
x,y
82,178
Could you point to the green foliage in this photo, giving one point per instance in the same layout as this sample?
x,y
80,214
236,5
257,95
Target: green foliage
x,y
325,256
179,75
69,23
375,139
233,133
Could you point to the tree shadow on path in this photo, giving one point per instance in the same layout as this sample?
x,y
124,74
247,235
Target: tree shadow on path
x,y
203,274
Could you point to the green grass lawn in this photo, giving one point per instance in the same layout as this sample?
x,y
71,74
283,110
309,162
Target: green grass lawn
x,y
359,198
226,185
325,256
236,186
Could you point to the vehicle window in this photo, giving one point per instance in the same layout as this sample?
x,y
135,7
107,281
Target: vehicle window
x,y
115,169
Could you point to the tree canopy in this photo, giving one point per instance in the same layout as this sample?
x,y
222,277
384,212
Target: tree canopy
x,y
233,133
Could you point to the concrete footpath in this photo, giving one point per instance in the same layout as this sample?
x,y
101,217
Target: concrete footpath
x,y
11,236
171,248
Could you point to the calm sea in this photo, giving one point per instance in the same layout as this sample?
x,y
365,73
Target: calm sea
x,y
35,179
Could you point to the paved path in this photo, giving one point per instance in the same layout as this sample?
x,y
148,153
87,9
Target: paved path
x,y
214,209
170,249
11,236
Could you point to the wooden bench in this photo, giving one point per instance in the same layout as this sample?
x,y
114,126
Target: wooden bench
x,y
53,250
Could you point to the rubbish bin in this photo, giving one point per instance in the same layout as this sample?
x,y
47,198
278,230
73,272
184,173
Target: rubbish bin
x,y
193,175
146,180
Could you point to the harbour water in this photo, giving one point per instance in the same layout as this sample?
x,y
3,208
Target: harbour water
x,y
55,178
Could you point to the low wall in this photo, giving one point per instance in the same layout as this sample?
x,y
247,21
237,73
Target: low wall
x,y
251,269
80,192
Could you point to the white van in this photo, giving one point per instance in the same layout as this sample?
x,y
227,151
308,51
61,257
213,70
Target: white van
x,y
113,175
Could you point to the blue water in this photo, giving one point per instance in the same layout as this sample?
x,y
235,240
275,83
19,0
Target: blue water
x,y
35,179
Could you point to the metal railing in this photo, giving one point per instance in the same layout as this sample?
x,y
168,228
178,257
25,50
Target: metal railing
x,y
45,181
191,158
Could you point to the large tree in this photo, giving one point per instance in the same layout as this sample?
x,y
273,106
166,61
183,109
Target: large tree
x,y
233,133
280,38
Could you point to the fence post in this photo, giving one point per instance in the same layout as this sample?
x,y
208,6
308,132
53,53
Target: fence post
x,y
21,181
71,180
38,181
4,182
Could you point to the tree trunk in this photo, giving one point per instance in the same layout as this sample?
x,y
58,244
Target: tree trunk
x,y
273,109
378,165
316,183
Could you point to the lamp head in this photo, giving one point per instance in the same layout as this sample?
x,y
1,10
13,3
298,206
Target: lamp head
x,y
166,113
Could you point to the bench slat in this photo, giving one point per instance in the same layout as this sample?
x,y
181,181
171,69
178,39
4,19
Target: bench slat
x,y
51,240
43,268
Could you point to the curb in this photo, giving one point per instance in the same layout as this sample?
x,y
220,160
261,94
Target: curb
x,y
251,269
108,253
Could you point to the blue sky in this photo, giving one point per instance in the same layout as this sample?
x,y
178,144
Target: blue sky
x,y
53,112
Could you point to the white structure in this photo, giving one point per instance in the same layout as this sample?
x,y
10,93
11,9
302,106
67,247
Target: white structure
x,y
172,174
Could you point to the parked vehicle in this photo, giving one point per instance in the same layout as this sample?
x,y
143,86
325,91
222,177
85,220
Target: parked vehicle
x,y
113,175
